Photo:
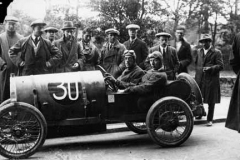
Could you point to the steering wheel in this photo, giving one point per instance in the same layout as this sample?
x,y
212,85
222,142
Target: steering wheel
x,y
110,84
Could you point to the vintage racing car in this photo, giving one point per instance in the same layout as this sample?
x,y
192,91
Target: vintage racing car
x,y
81,98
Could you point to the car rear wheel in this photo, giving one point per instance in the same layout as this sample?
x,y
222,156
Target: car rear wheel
x,y
169,122
23,130
137,127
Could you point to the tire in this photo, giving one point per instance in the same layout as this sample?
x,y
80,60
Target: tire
x,y
23,130
169,122
5,102
137,127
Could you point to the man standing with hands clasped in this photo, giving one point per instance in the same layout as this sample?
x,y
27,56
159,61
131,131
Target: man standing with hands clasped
x,y
209,63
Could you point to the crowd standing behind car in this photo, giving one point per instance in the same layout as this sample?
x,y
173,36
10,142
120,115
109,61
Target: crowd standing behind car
x,y
37,55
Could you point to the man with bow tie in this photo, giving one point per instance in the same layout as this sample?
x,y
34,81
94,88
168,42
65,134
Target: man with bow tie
x,y
38,55
136,44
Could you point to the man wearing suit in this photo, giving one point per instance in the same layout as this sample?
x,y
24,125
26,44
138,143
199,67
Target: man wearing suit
x,y
170,58
183,49
72,57
7,40
136,44
38,55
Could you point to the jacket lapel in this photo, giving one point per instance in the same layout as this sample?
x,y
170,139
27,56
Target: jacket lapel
x,y
134,43
208,55
111,52
39,45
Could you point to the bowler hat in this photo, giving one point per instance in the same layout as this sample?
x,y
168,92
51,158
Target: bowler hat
x,y
68,25
130,53
51,29
11,18
156,54
112,30
205,37
38,22
165,34
132,26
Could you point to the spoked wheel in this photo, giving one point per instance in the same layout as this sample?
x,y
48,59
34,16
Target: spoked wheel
x,y
169,122
137,127
23,130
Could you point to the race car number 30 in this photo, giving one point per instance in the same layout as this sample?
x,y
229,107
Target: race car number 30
x,y
65,92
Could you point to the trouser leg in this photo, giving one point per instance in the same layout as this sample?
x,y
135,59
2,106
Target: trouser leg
x,y
211,107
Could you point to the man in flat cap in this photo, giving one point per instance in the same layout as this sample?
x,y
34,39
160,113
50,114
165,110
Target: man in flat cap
x,y
209,63
89,50
170,58
113,54
51,33
72,59
132,74
183,49
7,40
38,55
136,44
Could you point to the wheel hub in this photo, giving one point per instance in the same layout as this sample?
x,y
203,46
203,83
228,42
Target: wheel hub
x,y
18,131
169,121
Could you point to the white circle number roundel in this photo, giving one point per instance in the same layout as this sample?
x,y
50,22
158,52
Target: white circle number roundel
x,y
65,92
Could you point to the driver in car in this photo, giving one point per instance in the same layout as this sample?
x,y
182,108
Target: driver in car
x,y
131,75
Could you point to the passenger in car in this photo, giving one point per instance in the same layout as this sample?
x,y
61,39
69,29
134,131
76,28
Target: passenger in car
x,y
152,83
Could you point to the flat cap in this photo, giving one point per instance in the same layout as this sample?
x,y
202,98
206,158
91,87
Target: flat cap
x,y
112,30
11,18
205,37
132,26
129,53
156,54
38,22
51,29
165,34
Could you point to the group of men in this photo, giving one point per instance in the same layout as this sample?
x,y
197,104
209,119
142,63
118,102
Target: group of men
x,y
131,65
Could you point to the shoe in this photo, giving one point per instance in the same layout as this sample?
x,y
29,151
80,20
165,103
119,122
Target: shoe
x,y
209,124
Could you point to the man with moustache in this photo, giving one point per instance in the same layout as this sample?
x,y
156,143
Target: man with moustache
x,y
72,57
7,40
37,55
134,43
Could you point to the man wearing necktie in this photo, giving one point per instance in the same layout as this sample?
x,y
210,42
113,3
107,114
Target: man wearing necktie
x,y
136,44
112,55
209,63
170,58
37,55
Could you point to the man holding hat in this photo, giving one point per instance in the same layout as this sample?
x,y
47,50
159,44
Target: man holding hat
x,y
136,44
7,40
183,49
38,55
51,33
89,50
209,63
132,74
113,54
170,58
72,59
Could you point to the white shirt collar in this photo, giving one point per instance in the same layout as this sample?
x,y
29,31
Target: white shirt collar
x,y
161,48
206,50
132,40
33,37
